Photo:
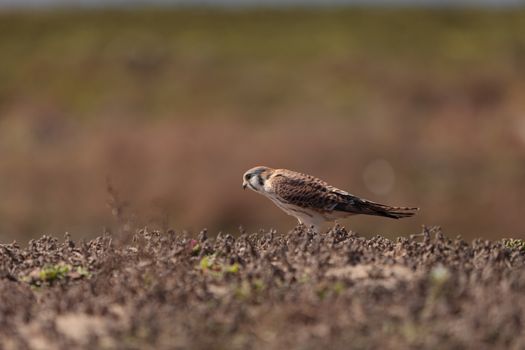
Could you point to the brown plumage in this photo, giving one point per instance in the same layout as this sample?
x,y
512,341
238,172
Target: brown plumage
x,y
312,200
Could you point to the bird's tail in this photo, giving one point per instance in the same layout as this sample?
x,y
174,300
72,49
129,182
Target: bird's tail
x,y
389,211
366,207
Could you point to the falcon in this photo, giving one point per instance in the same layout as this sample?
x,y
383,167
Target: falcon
x,y
312,201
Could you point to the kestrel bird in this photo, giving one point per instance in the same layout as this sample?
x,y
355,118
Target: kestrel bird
x,y
311,200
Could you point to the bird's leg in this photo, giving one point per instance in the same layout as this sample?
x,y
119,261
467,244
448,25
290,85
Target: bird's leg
x,y
312,225
309,224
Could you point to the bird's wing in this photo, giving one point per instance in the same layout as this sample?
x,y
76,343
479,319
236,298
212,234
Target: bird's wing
x,y
304,191
310,192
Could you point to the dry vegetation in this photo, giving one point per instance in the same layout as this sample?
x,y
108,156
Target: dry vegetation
x,y
163,290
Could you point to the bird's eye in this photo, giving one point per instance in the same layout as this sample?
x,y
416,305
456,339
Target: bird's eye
x,y
248,176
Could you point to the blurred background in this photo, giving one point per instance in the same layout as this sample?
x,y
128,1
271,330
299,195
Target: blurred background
x,y
169,105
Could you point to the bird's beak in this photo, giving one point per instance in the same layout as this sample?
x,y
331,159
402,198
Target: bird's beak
x,y
244,184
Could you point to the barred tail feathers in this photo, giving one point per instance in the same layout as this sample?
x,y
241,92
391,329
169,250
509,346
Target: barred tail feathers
x,y
361,206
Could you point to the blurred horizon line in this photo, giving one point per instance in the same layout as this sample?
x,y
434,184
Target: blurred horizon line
x,y
40,4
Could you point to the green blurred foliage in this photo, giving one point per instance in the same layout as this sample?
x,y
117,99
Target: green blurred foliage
x,y
156,62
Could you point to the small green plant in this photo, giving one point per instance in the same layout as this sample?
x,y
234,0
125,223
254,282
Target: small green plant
x,y
82,271
515,244
330,290
304,278
439,275
338,287
439,278
209,264
232,268
243,290
258,285
52,273
195,247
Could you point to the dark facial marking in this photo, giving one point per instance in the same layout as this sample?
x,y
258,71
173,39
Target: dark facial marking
x,y
251,186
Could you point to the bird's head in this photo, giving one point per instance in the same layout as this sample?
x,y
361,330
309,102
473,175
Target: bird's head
x,y
256,177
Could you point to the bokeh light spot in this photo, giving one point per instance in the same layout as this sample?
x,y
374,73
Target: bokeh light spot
x,y
379,177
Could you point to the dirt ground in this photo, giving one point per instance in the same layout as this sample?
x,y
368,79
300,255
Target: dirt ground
x,y
163,290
